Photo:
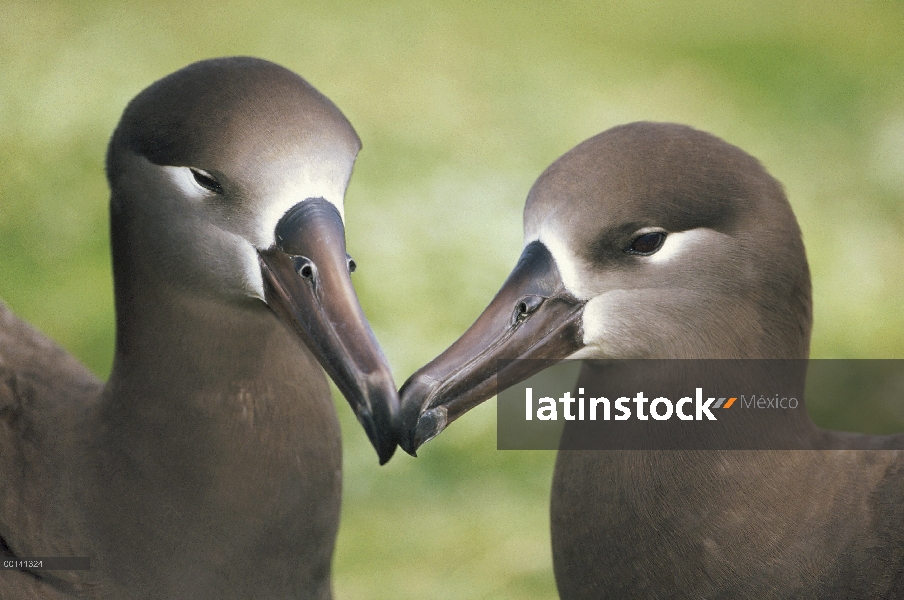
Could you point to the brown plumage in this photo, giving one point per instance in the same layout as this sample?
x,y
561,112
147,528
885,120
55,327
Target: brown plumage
x,y
655,240
209,465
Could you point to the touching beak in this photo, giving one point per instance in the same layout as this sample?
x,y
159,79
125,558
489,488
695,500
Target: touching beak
x,y
533,316
307,284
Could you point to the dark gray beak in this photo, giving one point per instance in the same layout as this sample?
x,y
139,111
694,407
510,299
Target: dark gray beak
x,y
532,317
307,284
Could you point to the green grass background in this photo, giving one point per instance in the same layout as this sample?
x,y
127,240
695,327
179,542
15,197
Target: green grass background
x,y
460,106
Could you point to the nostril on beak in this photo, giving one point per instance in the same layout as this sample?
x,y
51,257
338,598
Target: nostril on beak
x,y
526,306
304,267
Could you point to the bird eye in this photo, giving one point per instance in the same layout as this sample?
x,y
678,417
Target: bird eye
x,y
206,180
647,243
352,266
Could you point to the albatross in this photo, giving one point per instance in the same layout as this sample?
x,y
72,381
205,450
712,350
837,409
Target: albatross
x,y
209,464
659,241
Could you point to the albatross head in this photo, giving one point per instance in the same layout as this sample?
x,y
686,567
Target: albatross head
x,y
649,240
228,179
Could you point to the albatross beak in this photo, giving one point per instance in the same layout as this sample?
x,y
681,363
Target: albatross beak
x,y
307,284
533,316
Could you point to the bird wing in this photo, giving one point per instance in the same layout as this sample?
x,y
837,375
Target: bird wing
x,y
19,584
44,394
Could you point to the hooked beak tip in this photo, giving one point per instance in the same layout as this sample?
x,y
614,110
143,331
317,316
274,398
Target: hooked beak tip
x,y
385,445
377,412
408,444
384,454
429,425
412,428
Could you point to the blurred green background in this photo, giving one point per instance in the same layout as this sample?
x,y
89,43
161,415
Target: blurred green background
x,y
460,106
